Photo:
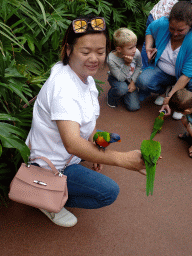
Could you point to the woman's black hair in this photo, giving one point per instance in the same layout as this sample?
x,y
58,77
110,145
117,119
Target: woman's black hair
x,y
182,11
71,37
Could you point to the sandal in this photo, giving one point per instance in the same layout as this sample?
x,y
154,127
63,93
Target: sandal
x,y
186,137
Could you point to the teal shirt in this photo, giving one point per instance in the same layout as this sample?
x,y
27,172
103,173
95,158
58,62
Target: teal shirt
x,y
159,29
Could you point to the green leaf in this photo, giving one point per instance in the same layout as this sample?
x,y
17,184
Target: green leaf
x,y
12,72
30,41
13,87
8,34
3,169
48,34
43,10
55,40
6,117
31,46
13,141
1,150
12,129
99,81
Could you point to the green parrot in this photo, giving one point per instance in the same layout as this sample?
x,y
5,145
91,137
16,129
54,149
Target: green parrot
x,y
151,151
158,124
103,139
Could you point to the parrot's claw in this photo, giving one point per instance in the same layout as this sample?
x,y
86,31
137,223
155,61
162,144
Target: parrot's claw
x,y
100,147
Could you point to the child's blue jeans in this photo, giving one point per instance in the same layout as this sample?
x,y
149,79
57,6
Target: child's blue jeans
x,y
89,189
120,89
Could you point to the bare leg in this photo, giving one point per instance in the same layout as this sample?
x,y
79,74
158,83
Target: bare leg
x,y
185,124
189,129
188,135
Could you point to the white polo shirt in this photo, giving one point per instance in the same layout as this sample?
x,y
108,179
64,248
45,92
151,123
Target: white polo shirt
x,y
63,97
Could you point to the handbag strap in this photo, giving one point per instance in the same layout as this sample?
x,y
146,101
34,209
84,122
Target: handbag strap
x,y
51,165
69,161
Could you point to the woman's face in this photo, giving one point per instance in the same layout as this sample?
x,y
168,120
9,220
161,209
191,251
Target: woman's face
x,y
178,29
88,55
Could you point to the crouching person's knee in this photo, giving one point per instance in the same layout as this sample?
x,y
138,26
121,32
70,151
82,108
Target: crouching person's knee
x,y
110,194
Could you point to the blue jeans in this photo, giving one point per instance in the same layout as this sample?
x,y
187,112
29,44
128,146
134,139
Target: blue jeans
x,y
89,189
120,89
143,51
153,80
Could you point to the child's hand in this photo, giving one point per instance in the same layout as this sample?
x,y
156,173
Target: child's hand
x,y
167,109
97,167
127,59
131,87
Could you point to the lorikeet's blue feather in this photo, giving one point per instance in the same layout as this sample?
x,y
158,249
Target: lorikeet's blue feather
x,y
114,137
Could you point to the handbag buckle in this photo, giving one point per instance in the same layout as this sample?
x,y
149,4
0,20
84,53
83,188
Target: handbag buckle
x,y
28,163
40,182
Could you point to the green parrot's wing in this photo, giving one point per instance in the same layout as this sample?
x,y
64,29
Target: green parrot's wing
x,y
155,151
145,150
151,151
106,136
150,178
95,136
157,126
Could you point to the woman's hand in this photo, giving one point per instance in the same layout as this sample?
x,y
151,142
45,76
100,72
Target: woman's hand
x,y
131,87
150,53
133,161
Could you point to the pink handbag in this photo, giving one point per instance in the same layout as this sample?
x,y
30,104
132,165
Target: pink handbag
x,y
40,187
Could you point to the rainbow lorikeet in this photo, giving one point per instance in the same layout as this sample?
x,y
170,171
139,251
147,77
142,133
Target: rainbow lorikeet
x,y
151,151
157,126
103,139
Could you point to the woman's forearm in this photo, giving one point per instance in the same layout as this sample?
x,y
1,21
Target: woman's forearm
x,y
180,84
149,41
88,151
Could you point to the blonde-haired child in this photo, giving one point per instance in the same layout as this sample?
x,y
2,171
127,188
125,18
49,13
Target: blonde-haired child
x,y
124,65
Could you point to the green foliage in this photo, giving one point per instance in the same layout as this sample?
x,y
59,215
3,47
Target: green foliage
x,y
31,33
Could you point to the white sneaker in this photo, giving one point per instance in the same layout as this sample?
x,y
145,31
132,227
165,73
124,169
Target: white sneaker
x,y
159,101
176,115
63,218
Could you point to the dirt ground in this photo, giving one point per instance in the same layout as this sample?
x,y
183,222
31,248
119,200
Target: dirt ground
x,y
134,225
